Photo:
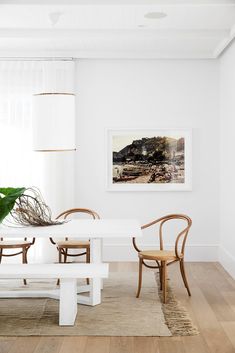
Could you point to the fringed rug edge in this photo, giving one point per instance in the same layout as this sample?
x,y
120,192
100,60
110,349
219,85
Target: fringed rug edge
x,y
176,316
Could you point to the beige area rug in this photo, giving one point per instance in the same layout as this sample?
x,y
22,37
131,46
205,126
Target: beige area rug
x,y
120,313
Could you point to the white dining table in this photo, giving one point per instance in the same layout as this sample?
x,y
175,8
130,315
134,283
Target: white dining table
x,y
95,230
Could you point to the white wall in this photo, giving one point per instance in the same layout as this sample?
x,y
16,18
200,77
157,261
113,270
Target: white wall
x,y
227,184
150,93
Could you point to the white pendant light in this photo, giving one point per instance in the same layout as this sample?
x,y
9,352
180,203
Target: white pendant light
x,y
54,122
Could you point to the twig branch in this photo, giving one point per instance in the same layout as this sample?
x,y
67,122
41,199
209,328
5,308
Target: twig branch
x,y
30,209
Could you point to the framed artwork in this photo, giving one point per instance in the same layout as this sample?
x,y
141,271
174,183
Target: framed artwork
x,y
149,160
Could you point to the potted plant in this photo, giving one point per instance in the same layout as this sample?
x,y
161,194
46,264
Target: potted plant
x,y
26,207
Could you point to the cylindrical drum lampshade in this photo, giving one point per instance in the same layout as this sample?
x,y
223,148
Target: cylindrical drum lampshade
x,y
54,122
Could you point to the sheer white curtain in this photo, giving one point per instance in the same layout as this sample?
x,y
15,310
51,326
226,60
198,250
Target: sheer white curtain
x,y
18,82
19,165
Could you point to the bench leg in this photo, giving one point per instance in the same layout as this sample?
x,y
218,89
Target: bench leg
x,y
68,302
96,257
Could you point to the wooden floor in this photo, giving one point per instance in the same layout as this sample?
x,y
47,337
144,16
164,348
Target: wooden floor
x,y
212,308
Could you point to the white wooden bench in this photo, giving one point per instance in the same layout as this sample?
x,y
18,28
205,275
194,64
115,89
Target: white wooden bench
x,y
68,275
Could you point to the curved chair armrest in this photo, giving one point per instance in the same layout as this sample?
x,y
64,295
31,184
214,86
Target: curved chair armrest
x,y
52,241
33,241
153,222
183,233
143,227
135,246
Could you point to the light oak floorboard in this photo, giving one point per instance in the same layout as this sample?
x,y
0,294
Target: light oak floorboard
x,y
212,308
229,297
97,345
6,343
221,272
195,344
73,345
122,344
144,344
49,345
23,345
171,345
229,328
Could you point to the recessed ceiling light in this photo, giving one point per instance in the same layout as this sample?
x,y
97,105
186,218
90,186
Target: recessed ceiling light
x,y
54,17
155,15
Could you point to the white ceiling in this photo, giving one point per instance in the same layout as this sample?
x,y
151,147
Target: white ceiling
x,y
116,29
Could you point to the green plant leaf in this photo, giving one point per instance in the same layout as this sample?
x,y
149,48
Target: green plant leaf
x,y
8,196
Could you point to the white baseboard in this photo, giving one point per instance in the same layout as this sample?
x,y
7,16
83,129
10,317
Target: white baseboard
x,y
227,261
124,252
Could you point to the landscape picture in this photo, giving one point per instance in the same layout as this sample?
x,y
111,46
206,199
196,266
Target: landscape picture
x,y
149,158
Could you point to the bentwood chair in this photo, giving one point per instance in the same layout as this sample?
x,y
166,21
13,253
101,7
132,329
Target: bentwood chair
x,y
66,245
164,258
22,247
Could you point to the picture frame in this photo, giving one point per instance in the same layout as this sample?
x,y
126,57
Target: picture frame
x,y
149,159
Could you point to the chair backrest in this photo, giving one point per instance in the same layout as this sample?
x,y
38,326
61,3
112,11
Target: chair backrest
x,y
181,236
66,213
18,240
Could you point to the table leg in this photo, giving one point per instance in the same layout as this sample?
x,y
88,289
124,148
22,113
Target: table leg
x,y
101,280
96,257
68,302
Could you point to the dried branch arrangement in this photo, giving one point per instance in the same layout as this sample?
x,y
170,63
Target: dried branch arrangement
x,y
30,209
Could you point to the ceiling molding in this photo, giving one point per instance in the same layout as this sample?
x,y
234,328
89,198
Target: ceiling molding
x,y
35,58
117,2
224,44
114,33
78,54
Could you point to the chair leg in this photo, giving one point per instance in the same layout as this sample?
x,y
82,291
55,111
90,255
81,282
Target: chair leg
x,y
182,270
160,275
140,277
164,281
60,260
65,255
88,261
60,255
24,260
0,255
